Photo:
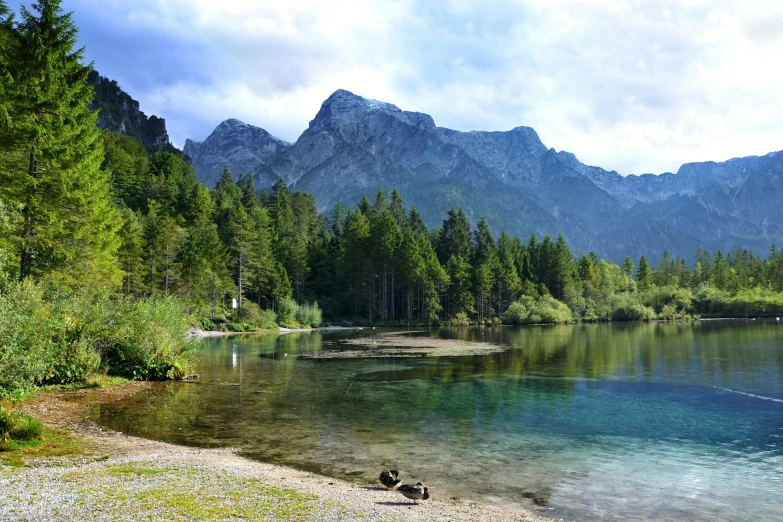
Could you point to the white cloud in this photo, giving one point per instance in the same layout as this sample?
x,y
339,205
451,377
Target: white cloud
x,y
626,85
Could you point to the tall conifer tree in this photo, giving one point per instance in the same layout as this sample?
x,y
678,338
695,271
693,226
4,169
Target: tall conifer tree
x,y
50,166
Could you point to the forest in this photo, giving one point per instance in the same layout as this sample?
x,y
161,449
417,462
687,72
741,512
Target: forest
x,y
109,253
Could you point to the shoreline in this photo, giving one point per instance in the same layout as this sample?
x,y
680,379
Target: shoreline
x,y
123,477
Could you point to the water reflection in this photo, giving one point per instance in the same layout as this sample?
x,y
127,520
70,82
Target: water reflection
x,y
555,416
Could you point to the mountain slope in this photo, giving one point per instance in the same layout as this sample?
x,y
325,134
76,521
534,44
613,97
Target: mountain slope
x,y
234,145
354,146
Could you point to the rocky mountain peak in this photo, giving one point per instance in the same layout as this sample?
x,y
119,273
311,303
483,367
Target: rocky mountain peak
x,y
344,109
234,145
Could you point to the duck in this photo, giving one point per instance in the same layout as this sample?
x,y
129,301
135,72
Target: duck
x,y
390,478
416,493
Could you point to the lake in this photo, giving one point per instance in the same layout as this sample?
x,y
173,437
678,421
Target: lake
x,y
653,421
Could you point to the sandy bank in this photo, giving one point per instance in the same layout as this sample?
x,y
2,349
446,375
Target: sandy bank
x,y
127,478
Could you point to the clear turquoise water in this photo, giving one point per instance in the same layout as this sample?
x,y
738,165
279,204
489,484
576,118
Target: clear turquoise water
x,y
641,422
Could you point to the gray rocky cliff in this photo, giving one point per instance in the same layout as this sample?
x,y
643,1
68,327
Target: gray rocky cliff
x,y
233,145
120,113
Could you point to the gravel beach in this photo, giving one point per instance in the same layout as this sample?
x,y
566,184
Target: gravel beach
x,y
119,477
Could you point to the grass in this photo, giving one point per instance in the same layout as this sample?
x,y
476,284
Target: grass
x,y
53,443
127,469
103,381
203,499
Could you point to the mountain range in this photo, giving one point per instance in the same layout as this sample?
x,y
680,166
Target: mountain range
x,y
354,146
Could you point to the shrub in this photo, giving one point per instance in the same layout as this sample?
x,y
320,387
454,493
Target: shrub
x,y
286,313
267,320
208,325
15,426
48,336
462,319
149,340
250,313
550,310
516,314
309,315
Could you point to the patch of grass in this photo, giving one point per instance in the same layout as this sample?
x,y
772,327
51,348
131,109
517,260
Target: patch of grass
x,y
53,443
103,381
231,498
127,469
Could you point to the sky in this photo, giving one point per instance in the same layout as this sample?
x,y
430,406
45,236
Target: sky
x,y
631,86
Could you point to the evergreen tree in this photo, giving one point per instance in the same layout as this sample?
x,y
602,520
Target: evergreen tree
x,y
244,237
459,295
644,274
562,268
454,238
52,154
131,253
720,271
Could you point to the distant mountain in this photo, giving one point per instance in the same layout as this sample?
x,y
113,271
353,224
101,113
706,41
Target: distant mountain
x,y
234,145
354,146
120,113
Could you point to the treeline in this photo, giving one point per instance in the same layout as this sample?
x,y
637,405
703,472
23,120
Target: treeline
x,y
380,263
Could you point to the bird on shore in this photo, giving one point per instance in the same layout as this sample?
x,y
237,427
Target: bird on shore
x,y
416,492
390,478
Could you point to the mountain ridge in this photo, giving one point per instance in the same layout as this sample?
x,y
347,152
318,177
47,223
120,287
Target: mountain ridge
x,y
355,145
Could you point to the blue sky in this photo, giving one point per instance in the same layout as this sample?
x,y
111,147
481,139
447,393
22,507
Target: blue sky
x,y
626,85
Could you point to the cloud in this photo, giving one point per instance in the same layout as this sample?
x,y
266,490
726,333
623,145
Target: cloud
x,y
632,86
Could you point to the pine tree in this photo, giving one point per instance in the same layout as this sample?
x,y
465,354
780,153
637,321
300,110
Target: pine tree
x,y
243,240
7,50
643,274
454,237
131,253
460,297
51,157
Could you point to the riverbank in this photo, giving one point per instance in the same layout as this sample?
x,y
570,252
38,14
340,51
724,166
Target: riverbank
x,y
118,477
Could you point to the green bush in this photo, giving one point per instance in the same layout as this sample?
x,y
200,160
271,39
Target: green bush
x,y
255,318
309,316
516,314
267,320
15,426
550,310
545,309
208,325
250,313
628,307
149,340
286,313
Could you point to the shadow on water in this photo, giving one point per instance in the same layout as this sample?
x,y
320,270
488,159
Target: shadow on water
x,y
567,417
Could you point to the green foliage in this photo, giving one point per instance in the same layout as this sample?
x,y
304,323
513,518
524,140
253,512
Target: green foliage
x,y
286,313
516,314
148,339
628,307
256,318
15,426
309,315
545,309
54,337
292,315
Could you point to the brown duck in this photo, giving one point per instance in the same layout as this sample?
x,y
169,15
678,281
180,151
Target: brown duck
x,y
416,493
390,478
